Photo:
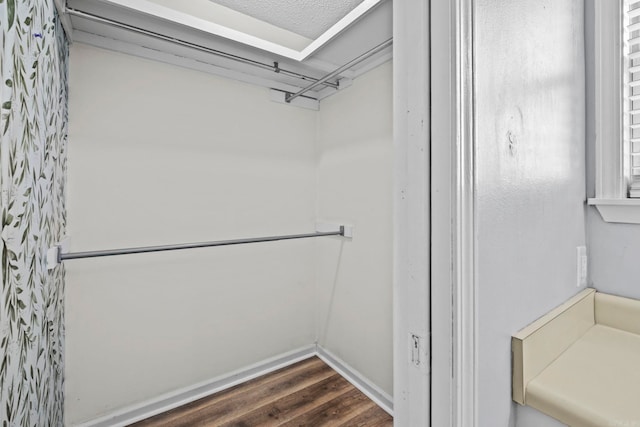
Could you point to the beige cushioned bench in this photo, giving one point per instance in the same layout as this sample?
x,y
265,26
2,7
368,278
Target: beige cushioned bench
x,y
580,363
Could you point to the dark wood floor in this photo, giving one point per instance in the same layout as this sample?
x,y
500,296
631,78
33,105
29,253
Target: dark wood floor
x,y
308,393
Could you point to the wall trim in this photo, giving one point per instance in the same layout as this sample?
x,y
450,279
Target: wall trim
x,y
412,231
443,150
140,411
358,380
165,402
610,180
464,295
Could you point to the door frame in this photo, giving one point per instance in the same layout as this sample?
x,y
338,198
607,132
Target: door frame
x,y
434,219
411,68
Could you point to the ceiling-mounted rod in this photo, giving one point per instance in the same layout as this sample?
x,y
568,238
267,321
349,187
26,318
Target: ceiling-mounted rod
x,y
356,61
271,67
146,249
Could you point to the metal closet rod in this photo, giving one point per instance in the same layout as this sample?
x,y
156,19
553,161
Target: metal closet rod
x,y
147,249
290,97
271,67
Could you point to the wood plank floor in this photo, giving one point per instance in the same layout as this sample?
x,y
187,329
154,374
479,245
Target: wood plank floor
x,y
308,393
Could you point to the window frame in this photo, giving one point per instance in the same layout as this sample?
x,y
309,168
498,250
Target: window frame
x,y
611,198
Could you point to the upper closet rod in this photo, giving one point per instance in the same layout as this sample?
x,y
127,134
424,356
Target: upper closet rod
x,y
290,97
110,252
275,68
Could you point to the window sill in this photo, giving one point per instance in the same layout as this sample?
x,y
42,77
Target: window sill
x,y
618,210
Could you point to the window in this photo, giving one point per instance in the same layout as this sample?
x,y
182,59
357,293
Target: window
x,y
617,109
631,94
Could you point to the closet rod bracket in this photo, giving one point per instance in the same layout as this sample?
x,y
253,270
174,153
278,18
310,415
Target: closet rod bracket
x,y
54,253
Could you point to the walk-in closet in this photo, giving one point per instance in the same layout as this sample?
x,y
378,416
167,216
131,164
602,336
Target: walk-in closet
x,y
181,131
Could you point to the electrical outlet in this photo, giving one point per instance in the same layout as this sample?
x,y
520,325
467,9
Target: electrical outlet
x,y
581,266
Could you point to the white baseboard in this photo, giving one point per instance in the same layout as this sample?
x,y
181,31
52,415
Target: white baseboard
x,y
358,380
166,402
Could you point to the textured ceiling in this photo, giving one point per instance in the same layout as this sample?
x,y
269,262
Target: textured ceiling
x,y
308,18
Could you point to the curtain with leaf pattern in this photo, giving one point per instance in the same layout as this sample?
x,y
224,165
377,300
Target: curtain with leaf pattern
x,y
33,137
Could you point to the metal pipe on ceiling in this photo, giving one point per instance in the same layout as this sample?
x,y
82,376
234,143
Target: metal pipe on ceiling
x,y
271,67
352,63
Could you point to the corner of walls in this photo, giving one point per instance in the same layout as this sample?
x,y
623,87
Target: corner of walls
x,y
33,147
316,209
162,154
354,180
591,212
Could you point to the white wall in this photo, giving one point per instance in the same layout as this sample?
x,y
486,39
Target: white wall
x,y
160,154
613,260
613,248
355,158
530,120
